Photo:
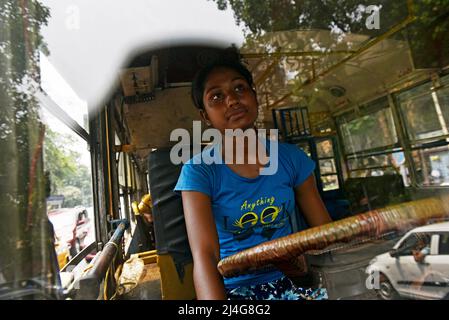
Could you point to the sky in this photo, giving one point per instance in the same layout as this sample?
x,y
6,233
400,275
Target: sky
x,y
90,40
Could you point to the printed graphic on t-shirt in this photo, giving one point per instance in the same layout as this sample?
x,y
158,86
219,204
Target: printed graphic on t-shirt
x,y
261,217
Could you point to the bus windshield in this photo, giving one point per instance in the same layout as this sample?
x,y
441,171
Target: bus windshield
x,y
94,94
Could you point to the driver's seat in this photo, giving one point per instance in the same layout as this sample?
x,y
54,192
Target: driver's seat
x,y
174,256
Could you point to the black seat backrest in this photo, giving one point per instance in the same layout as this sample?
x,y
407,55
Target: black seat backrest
x,y
379,192
169,225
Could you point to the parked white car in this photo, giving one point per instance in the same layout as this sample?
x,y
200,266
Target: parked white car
x,y
409,271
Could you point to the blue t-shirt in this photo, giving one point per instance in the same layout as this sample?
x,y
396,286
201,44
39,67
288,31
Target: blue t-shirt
x,y
249,211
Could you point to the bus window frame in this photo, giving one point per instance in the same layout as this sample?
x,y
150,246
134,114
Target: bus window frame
x,y
368,108
411,145
421,94
45,101
404,144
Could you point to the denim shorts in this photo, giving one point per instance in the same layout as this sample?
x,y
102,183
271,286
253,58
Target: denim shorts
x,y
280,289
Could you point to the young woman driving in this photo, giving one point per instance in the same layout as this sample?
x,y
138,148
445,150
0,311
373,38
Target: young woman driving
x,y
231,207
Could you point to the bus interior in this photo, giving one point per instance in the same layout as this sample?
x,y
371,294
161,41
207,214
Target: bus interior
x,y
369,106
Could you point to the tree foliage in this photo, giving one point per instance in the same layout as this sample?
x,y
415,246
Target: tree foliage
x,y
67,176
24,229
428,34
277,15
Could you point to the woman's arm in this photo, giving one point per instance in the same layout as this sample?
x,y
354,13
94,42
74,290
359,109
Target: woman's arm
x,y
309,200
203,240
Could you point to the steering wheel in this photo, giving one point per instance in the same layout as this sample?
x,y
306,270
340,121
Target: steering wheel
x,y
287,251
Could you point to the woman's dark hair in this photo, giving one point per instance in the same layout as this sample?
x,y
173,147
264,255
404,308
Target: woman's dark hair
x,y
198,82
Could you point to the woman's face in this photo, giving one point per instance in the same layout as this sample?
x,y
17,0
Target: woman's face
x,y
229,101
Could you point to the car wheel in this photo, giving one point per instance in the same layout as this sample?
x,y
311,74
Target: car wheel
x,y
386,290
